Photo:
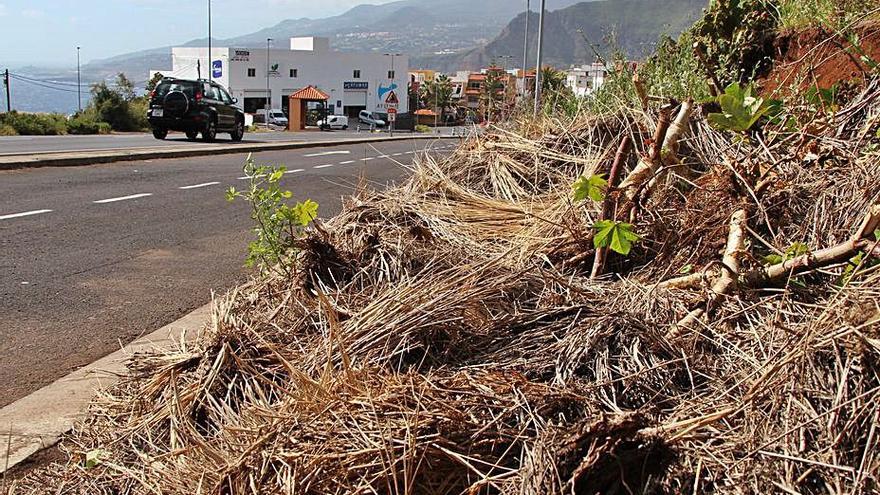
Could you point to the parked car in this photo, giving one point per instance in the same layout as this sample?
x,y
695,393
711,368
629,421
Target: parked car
x,y
194,107
370,118
334,122
277,117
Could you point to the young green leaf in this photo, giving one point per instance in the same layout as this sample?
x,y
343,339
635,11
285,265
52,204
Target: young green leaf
x,y
305,212
618,236
592,187
740,110
94,458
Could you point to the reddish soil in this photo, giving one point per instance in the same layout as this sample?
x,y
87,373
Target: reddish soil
x,y
815,57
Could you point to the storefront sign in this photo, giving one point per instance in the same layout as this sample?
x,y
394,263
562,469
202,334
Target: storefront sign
x,y
241,56
217,69
355,85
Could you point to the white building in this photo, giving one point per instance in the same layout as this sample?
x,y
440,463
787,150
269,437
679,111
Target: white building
x,y
354,81
586,79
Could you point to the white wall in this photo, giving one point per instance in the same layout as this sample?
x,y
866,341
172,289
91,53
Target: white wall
x,y
326,70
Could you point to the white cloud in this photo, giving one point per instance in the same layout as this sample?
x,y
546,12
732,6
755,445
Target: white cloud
x,y
2,10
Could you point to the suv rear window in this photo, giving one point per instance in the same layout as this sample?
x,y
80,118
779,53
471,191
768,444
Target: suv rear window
x,y
165,87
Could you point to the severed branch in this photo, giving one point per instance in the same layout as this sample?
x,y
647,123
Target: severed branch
x,y
648,165
727,281
608,205
729,277
833,255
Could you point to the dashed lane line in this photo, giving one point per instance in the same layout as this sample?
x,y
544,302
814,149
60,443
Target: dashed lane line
x,y
24,214
122,198
197,186
326,153
323,166
294,171
346,162
367,159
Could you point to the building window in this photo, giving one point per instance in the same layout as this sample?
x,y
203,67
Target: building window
x,y
294,72
356,74
252,72
390,74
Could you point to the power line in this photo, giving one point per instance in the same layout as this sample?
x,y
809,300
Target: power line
x,y
46,81
55,88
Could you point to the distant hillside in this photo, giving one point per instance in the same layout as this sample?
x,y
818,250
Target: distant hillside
x,y
633,25
421,28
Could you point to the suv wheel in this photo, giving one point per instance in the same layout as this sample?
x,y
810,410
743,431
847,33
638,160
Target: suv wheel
x,y
192,135
210,132
160,133
237,133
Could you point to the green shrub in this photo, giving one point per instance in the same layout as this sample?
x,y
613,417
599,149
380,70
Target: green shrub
x,y
85,124
7,130
422,128
35,124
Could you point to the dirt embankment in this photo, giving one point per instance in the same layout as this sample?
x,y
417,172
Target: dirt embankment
x,y
817,57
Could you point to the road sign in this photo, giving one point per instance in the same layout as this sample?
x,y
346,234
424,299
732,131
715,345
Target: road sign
x,y
392,116
392,111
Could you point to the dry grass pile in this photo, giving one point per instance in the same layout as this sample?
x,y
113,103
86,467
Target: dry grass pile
x,y
446,336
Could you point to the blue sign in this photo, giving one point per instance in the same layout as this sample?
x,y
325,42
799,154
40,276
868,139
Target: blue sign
x,y
217,69
383,89
355,85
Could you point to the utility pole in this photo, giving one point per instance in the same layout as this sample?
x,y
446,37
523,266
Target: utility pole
x,y
392,78
210,57
526,45
8,97
78,83
268,91
540,54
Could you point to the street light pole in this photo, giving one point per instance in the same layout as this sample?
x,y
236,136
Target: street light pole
x,y
210,61
526,45
540,54
268,91
392,78
78,83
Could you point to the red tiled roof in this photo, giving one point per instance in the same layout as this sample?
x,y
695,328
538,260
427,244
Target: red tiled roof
x,y
310,93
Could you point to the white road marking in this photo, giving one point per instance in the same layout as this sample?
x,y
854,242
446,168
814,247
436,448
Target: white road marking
x,y
363,159
409,152
246,177
326,153
123,198
24,214
323,166
397,154
206,184
346,163
294,171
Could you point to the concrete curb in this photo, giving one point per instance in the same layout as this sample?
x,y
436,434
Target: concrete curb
x,y
38,421
73,158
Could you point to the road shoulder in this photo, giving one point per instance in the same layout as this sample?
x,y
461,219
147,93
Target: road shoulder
x,y
37,421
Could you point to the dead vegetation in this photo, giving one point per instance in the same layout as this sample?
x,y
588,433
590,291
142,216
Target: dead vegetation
x,y
455,334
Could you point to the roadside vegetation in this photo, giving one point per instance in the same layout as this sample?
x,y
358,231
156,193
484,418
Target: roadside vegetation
x,y
670,287
112,108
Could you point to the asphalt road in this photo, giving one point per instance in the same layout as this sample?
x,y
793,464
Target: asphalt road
x,y
17,145
93,257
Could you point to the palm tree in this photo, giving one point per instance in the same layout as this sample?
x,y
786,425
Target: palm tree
x,y
438,94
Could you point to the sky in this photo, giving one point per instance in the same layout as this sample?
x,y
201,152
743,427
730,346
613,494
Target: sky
x,y
47,32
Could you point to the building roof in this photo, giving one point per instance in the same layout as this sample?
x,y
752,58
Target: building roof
x,y
310,93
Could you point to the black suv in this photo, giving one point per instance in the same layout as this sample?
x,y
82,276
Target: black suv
x,y
194,107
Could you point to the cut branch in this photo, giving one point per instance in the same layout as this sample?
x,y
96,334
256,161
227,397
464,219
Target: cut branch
x,y
840,253
727,281
608,205
647,166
